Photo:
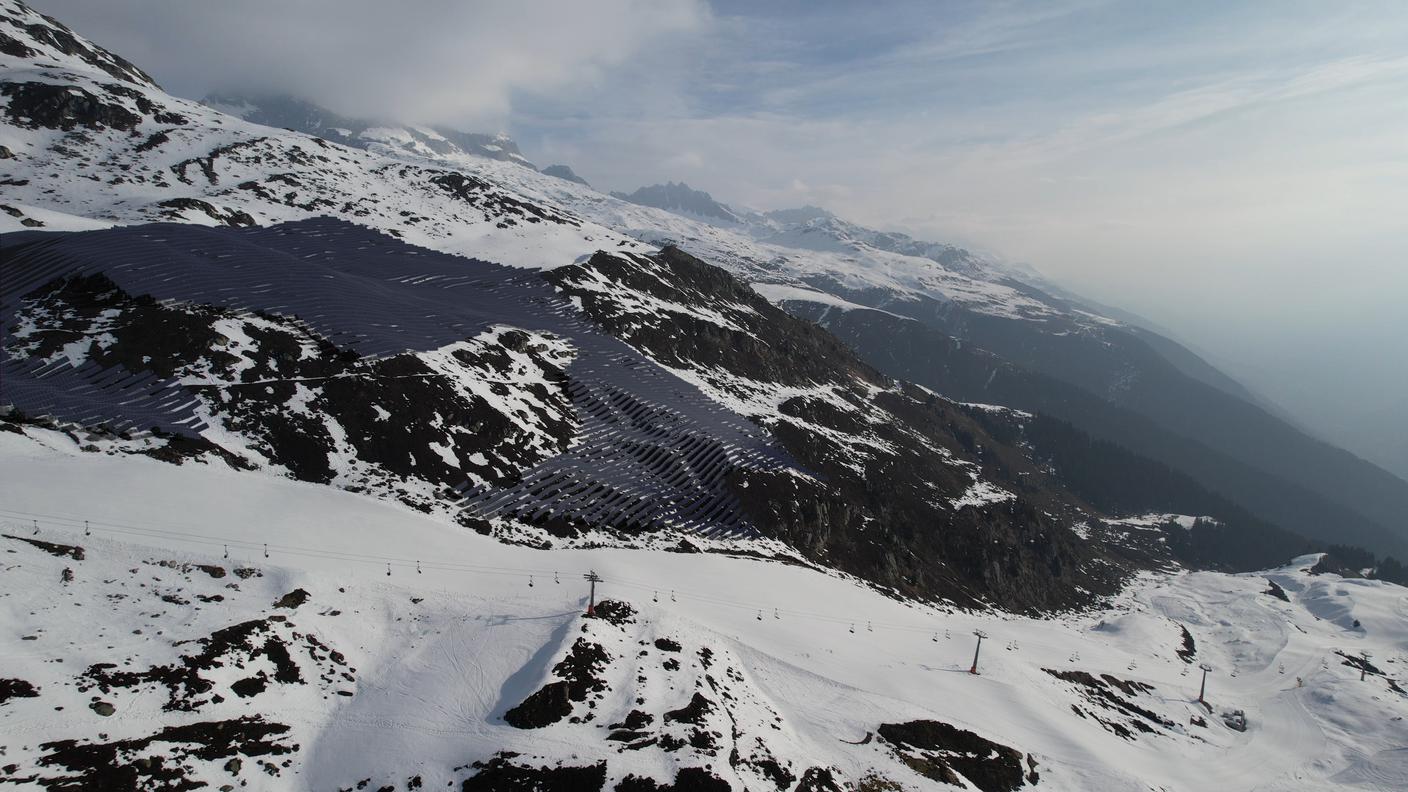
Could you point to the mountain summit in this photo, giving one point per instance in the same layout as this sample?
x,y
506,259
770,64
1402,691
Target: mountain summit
x,y
680,198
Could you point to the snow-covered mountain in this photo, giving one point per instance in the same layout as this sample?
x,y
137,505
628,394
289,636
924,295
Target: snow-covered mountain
x,y
885,457
680,198
328,422
475,391
287,112
565,172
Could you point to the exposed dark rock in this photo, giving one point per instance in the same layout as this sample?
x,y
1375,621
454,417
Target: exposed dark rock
x,y
115,766
1106,693
1180,430
693,712
510,211
635,783
250,686
188,690
1276,591
615,611
580,669
937,751
635,720
697,779
16,688
818,779
1362,663
63,107
667,644
178,449
688,779
548,705
577,679
766,765
103,708
293,599
153,140
502,774
231,217
52,548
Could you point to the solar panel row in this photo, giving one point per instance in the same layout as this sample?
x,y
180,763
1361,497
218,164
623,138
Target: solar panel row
x,y
651,451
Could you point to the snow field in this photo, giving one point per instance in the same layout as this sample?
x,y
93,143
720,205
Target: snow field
x,y
434,677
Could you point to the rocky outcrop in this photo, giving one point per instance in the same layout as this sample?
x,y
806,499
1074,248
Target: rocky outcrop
x,y
892,488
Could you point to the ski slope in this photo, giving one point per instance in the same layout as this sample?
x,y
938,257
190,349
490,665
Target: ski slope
x,y
441,654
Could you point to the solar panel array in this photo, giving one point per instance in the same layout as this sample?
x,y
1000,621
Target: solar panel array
x,y
652,451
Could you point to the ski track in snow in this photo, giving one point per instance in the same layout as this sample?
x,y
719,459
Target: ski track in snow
x,y
434,677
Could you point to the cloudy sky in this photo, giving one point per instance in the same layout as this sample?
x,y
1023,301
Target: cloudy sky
x,y
1235,172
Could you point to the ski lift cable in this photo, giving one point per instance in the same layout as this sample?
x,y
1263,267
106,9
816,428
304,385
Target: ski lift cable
x,y
79,525
197,538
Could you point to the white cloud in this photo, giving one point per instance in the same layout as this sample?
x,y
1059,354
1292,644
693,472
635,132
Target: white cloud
x,y
454,61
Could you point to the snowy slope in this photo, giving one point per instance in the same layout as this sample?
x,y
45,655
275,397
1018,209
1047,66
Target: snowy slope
x,y
411,675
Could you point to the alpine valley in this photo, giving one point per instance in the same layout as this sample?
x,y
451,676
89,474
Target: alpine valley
x,y
346,454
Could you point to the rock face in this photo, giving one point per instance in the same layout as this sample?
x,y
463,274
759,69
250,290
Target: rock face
x,y
901,487
16,688
61,107
565,172
683,199
943,753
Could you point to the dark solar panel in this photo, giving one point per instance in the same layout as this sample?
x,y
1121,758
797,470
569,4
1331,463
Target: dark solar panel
x,y
651,450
